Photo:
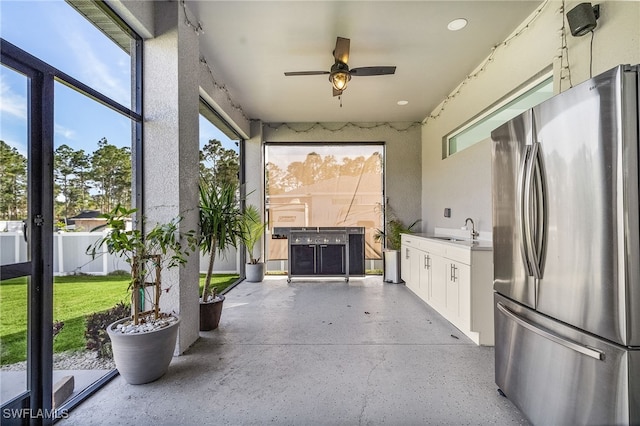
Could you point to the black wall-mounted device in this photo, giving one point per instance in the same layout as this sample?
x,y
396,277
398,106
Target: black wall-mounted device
x,y
582,18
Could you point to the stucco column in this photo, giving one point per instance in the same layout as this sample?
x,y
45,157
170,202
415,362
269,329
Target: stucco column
x,y
253,161
170,151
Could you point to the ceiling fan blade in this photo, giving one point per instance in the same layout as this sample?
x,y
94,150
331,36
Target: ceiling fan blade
x,y
342,50
288,74
337,92
365,71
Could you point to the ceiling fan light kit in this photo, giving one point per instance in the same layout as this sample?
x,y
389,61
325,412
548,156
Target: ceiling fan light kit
x,y
340,75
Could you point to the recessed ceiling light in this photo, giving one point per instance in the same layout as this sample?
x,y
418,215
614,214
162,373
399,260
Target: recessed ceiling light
x,y
457,24
402,102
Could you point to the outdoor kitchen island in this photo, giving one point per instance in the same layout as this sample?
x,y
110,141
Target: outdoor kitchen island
x,y
455,277
324,251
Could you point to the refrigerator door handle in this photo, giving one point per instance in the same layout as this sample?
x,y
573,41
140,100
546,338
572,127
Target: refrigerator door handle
x,y
522,210
585,350
534,211
540,194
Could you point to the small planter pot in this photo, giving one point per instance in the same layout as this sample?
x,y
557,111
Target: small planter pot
x,y
210,313
254,272
143,357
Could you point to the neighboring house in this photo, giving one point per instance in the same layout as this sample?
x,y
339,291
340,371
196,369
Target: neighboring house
x,y
86,221
340,201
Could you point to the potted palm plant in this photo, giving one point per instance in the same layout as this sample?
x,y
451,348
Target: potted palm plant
x,y
220,218
391,236
251,230
143,343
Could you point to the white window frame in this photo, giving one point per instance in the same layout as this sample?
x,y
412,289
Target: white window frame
x,y
543,78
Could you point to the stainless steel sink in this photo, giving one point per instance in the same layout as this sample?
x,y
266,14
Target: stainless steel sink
x,y
449,238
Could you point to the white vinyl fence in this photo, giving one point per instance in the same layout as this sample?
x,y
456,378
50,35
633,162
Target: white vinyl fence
x,y
70,257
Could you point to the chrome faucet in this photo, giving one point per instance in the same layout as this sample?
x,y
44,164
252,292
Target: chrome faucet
x,y
474,233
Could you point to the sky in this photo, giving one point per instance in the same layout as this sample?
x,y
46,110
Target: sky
x,y
54,32
283,157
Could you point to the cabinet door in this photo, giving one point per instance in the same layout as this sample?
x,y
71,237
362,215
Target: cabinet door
x,y
405,264
452,293
425,276
438,282
457,306
331,260
415,258
464,296
303,259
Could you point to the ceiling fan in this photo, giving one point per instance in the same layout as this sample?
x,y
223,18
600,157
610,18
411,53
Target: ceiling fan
x,y
340,74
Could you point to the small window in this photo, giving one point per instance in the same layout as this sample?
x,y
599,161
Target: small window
x,y
480,127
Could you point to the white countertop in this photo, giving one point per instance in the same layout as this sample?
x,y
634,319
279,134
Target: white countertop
x,y
458,241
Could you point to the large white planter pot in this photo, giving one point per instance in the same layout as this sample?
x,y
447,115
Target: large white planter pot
x,y
254,272
143,357
392,266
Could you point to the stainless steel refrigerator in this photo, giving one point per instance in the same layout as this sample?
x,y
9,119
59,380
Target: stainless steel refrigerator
x,y
566,237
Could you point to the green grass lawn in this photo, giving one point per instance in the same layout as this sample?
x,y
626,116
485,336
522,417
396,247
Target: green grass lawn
x,y
74,298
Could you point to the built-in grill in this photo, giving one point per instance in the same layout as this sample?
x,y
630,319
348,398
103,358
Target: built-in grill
x,y
324,251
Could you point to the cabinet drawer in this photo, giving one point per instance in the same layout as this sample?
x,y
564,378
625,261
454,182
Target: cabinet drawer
x,y
433,247
459,254
408,240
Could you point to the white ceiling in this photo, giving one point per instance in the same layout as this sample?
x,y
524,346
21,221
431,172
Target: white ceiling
x,y
250,44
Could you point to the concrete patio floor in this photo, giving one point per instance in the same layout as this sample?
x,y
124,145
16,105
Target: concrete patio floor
x,y
317,352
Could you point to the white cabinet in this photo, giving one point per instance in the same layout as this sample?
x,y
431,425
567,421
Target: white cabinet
x,y
412,266
422,264
416,261
426,275
455,279
405,264
452,291
457,282
417,266
438,299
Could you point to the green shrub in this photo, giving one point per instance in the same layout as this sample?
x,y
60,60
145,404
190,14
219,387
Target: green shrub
x,y
96,331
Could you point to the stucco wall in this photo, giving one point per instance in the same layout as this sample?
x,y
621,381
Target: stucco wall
x,y
171,151
462,182
138,14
